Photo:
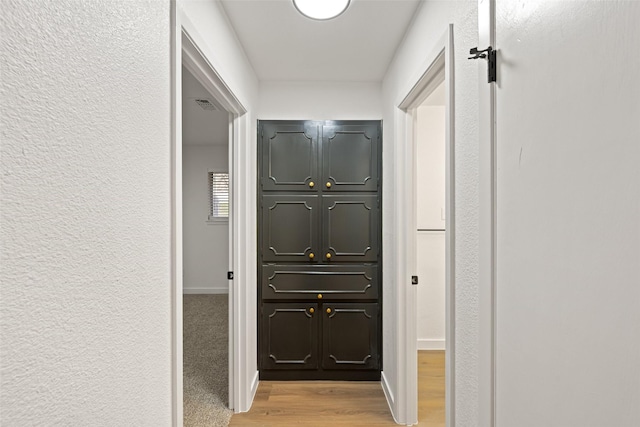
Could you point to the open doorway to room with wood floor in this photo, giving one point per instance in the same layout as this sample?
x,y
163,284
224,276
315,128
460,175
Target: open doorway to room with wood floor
x,y
428,203
430,252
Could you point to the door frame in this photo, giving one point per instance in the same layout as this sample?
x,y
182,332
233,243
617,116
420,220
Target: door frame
x,y
487,187
438,63
185,50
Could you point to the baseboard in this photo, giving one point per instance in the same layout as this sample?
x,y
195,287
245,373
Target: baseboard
x,y
254,388
206,291
391,401
427,344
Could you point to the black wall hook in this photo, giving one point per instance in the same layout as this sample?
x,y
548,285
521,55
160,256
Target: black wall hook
x,y
490,55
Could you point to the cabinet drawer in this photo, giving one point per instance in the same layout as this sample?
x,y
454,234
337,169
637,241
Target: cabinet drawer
x,y
332,282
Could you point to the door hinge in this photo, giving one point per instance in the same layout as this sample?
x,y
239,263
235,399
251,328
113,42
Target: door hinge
x,y
229,275
414,280
490,55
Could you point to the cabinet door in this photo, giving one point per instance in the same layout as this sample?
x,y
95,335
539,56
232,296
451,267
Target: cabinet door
x,y
350,228
350,157
289,156
350,336
290,228
289,336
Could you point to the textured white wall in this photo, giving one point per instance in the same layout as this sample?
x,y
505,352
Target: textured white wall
x,y
429,25
85,215
206,244
430,189
320,101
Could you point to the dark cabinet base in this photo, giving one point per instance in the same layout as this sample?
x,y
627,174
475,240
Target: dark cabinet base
x,y
301,375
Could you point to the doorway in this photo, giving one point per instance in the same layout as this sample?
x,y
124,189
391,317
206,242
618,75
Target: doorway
x,y
187,55
437,76
205,242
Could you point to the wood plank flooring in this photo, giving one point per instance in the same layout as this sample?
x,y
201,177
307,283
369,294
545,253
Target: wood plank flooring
x,y
340,403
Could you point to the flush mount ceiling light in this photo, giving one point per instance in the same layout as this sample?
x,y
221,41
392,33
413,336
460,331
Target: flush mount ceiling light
x,y
321,9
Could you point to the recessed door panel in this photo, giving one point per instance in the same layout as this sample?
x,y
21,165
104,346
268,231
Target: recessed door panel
x,y
350,336
350,228
289,336
290,228
289,157
331,282
350,157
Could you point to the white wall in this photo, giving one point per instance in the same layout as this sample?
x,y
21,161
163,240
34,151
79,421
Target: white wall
x,y
430,161
85,215
429,25
320,101
206,244
430,141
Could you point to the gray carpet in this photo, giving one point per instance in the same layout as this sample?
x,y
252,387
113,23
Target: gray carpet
x,y
206,343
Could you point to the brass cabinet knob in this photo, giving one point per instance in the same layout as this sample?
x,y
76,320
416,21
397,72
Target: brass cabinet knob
x,y
312,310
311,255
328,184
319,296
311,184
328,311
328,255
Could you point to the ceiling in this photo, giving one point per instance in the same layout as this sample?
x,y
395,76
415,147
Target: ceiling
x,y
283,45
201,127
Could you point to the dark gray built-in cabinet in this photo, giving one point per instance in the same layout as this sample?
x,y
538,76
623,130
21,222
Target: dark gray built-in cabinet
x,y
319,228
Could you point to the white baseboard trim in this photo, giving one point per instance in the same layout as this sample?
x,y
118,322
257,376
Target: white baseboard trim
x,y
254,388
206,291
427,344
391,401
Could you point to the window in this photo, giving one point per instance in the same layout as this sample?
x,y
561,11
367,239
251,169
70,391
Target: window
x,y
218,196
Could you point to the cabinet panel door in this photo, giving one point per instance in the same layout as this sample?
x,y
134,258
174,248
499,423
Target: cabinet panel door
x,y
289,336
350,336
338,282
289,156
350,157
289,228
350,228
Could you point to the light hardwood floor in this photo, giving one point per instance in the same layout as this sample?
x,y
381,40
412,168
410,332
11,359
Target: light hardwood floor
x,y
337,403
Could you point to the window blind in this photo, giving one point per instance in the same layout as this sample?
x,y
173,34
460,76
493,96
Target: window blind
x,y
218,195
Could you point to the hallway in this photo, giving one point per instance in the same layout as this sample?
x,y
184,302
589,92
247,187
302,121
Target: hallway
x,y
357,404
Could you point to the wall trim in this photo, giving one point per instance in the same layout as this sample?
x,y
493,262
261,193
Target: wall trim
x,y
254,384
437,67
388,394
487,300
204,291
431,344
